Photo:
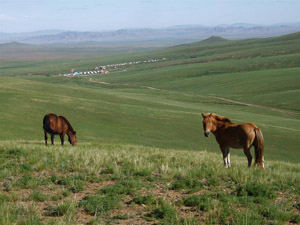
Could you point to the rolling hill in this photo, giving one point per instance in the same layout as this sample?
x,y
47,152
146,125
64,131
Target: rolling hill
x,y
158,104
141,155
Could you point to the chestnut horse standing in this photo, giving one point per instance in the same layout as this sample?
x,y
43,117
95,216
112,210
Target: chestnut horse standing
x,y
235,135
54,124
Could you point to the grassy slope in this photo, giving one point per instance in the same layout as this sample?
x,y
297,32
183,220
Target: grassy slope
x,y
127,113
250,70
110,184
53,184
136,116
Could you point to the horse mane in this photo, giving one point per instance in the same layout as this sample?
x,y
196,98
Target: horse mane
x,y
221,118
69,125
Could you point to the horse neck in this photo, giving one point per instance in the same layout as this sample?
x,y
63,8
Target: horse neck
x,y
70,128
219,125
70,131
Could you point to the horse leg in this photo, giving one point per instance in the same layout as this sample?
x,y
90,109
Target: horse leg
x,y
46,137
248,154
52,139
62,138
226,156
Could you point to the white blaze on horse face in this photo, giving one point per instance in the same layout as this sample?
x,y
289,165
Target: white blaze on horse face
x,y
263,162
207,125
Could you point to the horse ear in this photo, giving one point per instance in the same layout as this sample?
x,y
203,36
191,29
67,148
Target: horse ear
x,y
210,114
204,115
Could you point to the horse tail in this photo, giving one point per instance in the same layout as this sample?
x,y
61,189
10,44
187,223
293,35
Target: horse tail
x,y
259,148
46,122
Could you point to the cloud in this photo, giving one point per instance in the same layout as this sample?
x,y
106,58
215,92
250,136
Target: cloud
x,y
4,17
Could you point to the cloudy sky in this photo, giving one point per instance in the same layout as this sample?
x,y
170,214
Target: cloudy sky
x,y
92,15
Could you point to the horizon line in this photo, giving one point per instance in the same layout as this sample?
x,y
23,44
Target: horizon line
x,y
157,28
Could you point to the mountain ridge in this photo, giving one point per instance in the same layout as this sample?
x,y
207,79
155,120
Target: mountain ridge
x,y
171,35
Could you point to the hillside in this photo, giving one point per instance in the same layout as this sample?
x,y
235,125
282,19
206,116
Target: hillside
x,y
247,70
126,184
213,39
141,156
159,104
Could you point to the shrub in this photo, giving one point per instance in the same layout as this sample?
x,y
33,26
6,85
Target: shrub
x,y
32,220
146,200
16,152
213,181
142,173
66,193
131,183
274,213
246,217
53,178
295,219
108,170
37,196
117,189
188,221
96,204
25,168
74,183
297,206
164,211
28,182
187,183
201,202
255,189
4,198
59,210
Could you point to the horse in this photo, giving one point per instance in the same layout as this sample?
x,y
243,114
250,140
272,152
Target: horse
x,y
235,135
54,124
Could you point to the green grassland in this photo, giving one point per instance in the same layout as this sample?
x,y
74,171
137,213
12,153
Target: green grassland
x,y
126,184
24,59
141,155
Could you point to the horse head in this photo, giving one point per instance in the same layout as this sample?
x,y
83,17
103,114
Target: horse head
x,y
208,123
72,138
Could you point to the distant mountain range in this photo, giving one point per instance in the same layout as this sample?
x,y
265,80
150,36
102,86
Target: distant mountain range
x,y
171,35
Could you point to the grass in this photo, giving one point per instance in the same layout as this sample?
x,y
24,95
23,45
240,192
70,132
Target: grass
x,y
151,118
237,194
258,71
96,205
37,196
141,154
145,200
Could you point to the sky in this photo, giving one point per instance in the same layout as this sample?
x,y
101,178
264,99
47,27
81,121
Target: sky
x,y
92,15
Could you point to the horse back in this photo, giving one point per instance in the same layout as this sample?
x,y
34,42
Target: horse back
x,y
54,124
236,135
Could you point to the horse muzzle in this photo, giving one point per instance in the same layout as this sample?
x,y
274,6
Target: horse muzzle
x,y
206,133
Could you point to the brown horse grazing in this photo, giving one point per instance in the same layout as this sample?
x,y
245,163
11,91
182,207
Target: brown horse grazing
x,y
54,124
235,135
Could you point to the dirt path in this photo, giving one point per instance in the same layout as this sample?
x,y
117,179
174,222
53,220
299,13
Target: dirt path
x,y
257,106
215,97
